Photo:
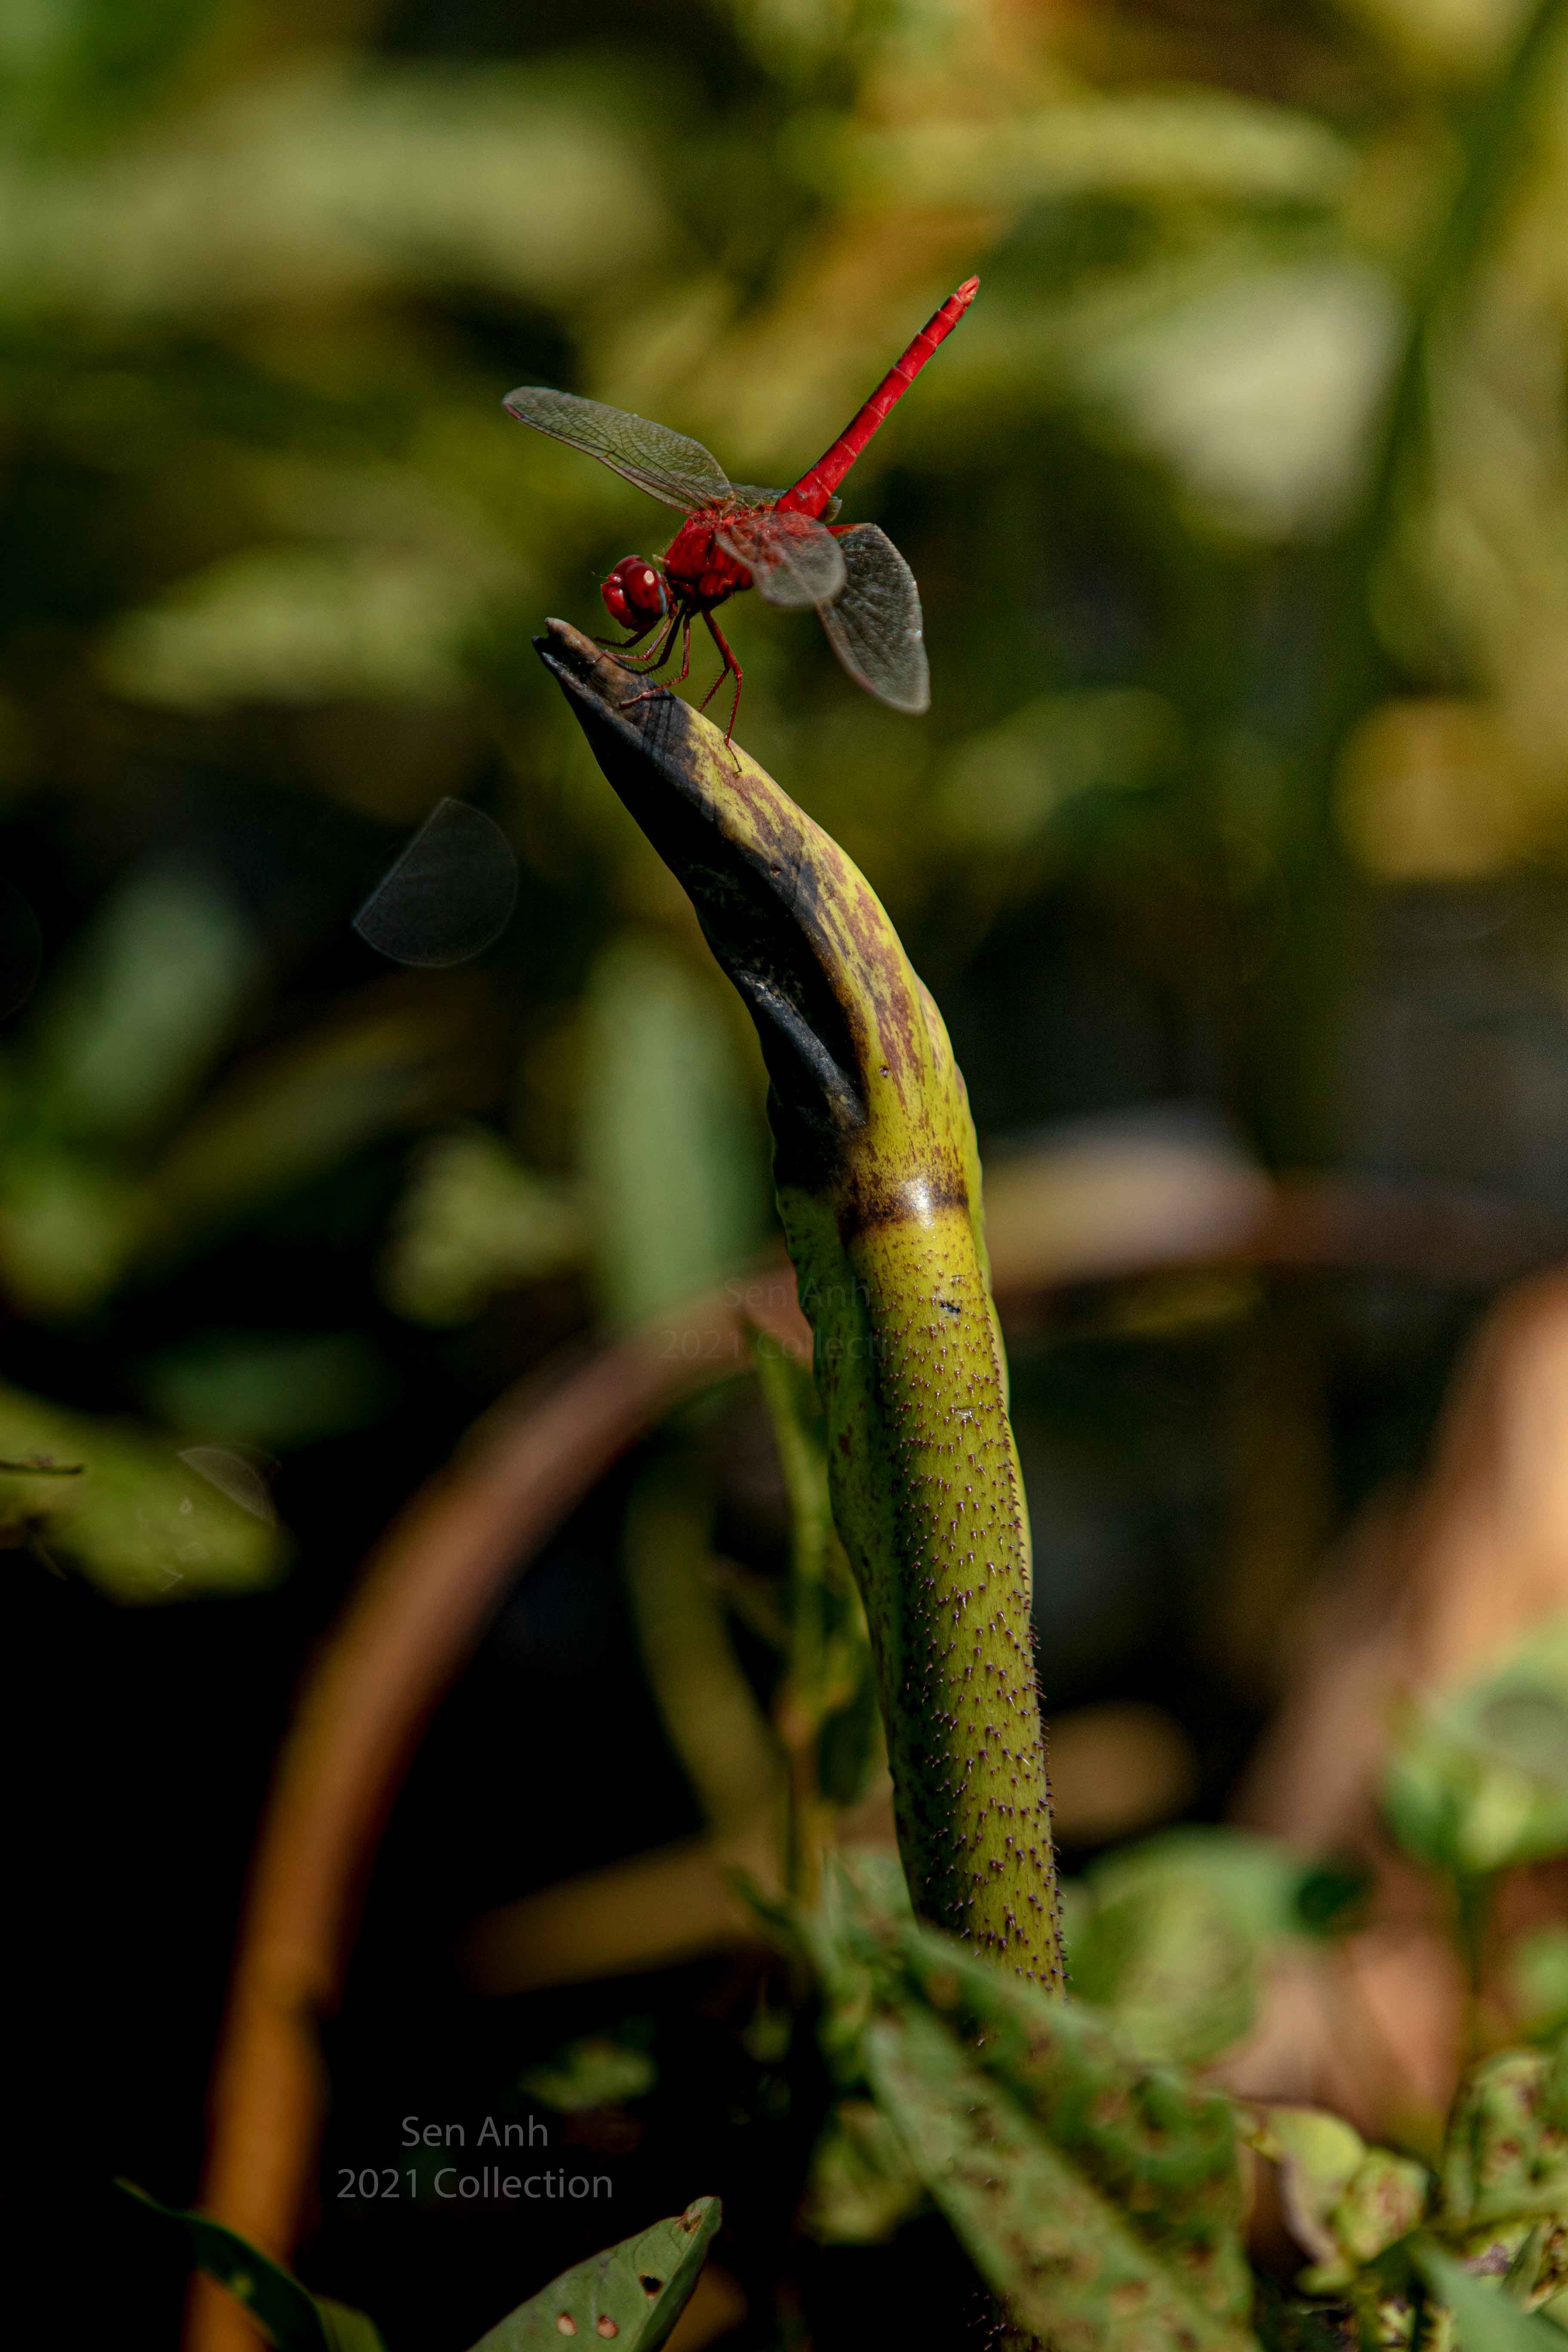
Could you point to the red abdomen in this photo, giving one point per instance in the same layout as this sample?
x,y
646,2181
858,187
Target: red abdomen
x,y
698,571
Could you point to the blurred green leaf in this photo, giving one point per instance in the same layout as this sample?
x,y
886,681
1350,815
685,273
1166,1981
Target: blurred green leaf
x,y
72,66
473,1222
274,1389
1177,1931
673,1173
320,186
1195,143
1498,2204
1260,388
1479,1777
69,1227
1171,1966
710,1715
1506,2155
299,625
1538,1970
826,1706
1346,2203
155,989
292,2319
1485,2319
1002,788
399,1056
861,2185
600,2070
136,1523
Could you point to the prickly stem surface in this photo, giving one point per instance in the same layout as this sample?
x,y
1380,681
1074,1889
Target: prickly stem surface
x,y
878,1184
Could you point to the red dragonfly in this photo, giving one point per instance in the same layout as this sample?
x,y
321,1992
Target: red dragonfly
x,y
775,541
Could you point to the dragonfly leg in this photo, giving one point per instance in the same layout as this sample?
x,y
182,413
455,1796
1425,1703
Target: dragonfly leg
x,y
678,621
624,645
656,655
731,667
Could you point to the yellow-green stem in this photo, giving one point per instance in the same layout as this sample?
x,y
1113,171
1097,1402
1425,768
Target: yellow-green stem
x,y
879,1185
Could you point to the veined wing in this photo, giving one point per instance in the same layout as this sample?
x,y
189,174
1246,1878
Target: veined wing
x,y
792,561
874,625
665,464
750,496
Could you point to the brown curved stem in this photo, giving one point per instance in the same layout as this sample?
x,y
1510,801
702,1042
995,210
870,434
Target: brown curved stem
x,y
422,1605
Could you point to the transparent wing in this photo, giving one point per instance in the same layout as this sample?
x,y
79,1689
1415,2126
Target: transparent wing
x,y
665,464
791,559
750,496
874,626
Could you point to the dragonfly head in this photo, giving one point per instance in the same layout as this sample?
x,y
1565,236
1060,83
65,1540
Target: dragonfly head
x,y
635,594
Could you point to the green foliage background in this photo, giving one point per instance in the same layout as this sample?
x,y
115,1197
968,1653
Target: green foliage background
x,y
263,276
1239,507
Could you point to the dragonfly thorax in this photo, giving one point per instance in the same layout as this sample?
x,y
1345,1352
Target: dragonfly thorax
x,y
635,594
700,572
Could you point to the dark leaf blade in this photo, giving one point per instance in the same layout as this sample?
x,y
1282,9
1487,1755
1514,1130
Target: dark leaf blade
x,y
347,2330
291,2315
632,2294
21,947
875,625
793,560
680,472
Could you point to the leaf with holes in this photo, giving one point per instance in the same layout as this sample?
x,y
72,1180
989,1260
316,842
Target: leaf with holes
x,y
631,2294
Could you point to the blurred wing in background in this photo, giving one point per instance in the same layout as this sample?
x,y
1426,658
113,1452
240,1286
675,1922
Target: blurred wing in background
x,y
792,561
448,896
874,624
665,464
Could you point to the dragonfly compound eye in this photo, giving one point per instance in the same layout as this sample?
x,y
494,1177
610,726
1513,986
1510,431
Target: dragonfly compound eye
x,y
635,594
